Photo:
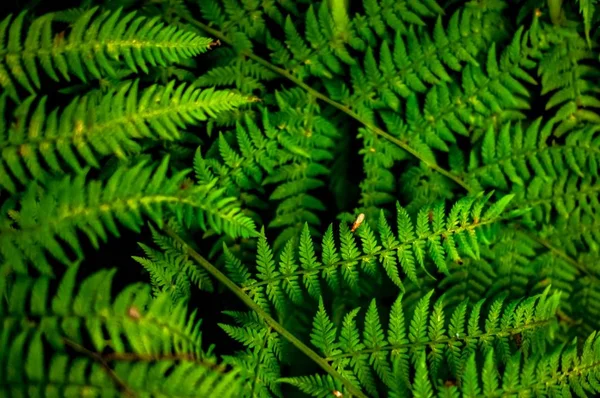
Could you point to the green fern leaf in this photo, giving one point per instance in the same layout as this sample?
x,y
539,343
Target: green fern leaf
x,y
89,49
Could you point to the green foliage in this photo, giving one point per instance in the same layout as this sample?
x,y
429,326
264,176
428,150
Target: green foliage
x,y
90,127
89,47
170,270
437,237
53,214
147,340
449,342
359,198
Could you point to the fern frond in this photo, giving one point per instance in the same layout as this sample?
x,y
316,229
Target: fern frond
x,y
89,49
587,8
260,361
319,51
451,340
517,155
314,385
290,149
48,219
400,16
498,90
89,128
565,74
91,374
249,18
170,270
564,195
84,312
437,237
235,70
404,66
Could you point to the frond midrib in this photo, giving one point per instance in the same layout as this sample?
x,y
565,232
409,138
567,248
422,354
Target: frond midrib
x,y
553,379
445,340
101,45
92,130
133,202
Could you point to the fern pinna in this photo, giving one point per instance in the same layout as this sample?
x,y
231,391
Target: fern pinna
x,y
358,198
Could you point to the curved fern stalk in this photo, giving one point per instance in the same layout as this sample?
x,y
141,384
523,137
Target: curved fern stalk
x,y
49,218
83,313
264,315
316,94
436,236
448,342
91,127
89,49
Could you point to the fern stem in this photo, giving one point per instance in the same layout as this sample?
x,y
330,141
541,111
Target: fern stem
x,y
98,358
333,103
235,289
134,202
130,356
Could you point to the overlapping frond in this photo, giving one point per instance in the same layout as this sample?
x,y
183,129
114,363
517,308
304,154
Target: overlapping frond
x,y
400,16
48,218
238,71
288,149
261,359
93,43
246,16
90,128
85,311
411,62
82,376
566,370
129,344
170,269
496,92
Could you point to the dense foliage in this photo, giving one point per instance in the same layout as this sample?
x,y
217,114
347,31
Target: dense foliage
x,y
358,198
